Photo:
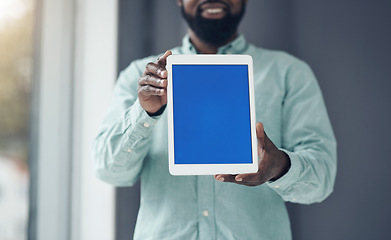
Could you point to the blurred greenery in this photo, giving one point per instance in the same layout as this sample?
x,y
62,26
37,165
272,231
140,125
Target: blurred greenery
x,y
15,74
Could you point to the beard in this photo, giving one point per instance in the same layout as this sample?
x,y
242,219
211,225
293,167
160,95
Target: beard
x,y
216,32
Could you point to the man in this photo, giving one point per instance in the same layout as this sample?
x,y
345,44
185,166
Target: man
x,y
297,156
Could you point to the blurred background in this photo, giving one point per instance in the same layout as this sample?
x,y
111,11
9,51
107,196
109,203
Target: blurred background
x,y
58,63
16,48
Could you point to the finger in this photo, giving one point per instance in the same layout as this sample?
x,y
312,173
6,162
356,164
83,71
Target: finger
x,y
250,177
153,81
148,90
261,136
225,178
162,60
231,179
155,69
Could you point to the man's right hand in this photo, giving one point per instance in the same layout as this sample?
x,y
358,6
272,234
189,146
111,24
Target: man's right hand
x,y
152,85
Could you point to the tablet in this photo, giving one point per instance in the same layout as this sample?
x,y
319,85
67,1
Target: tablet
x,y
211,115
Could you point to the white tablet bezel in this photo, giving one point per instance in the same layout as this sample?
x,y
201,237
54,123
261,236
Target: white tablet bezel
x,y
210,169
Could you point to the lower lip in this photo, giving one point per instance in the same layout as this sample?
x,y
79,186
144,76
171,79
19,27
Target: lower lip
x,y
213,15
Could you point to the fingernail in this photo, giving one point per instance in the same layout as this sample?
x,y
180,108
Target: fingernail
x,y
221,179
239,179
162,73
161,82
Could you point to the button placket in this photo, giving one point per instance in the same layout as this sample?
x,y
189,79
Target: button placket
x,y
205,213
205,190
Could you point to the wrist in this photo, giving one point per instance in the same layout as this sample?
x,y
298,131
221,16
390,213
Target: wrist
x,y
285,165
158,112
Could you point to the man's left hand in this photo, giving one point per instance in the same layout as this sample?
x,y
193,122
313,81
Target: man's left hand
x,y
273,163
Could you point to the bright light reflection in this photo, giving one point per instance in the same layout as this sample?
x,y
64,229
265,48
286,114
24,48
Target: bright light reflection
x,y
12,9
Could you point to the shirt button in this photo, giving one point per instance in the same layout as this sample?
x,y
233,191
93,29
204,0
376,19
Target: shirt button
x,y
277,186
129,150
205,213
146,124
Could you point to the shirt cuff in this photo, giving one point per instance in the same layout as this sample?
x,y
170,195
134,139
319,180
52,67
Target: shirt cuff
x,y
139,123
284,185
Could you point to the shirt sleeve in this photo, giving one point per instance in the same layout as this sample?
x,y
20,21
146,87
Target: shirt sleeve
x,y
308,140
122,142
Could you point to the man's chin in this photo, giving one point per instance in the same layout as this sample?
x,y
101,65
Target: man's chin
x,y
213,27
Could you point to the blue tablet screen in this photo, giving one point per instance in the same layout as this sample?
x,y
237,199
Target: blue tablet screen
x,y
211,112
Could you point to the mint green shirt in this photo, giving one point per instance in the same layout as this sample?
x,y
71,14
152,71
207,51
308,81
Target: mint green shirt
x,y
289,103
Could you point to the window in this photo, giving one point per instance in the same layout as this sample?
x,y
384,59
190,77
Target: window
x,y
16,25
74,72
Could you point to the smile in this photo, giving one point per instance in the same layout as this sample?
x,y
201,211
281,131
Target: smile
x,y
214,10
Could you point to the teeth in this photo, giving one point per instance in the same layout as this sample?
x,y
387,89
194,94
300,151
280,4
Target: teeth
x,y
214,10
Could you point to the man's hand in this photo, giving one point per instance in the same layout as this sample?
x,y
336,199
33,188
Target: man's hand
x,y
273,163
152,85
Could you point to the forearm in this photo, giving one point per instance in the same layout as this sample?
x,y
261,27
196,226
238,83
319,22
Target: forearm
x,y
311,175
121,146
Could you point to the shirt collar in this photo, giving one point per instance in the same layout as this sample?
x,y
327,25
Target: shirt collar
x,y
237,46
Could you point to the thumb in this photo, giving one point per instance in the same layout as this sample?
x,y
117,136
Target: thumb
x,y
163,58
261,136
